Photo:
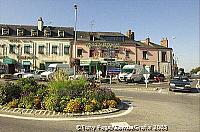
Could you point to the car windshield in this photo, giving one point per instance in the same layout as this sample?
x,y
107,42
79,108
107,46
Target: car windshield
x,y
127,70
182,79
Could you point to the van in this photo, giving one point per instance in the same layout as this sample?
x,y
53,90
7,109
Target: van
x,y
52,68
132,73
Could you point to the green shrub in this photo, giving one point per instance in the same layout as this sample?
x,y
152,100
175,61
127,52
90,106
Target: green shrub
x,y
8,92
37,102
105,104
73,106
27,85
28,100
42,91
72,88
100,94
51,102
60,75
89,108
112,103
13,103
117,100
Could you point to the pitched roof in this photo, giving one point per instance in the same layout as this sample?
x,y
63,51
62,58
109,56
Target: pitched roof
x,y
150,46
84,35
69,31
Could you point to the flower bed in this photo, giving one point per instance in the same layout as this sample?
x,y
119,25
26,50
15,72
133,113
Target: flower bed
x,y
61,95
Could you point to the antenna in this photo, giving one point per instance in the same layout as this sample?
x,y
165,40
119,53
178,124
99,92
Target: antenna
x,y
49,23
92,23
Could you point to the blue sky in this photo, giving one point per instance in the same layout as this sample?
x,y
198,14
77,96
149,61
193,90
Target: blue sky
x,y
148,18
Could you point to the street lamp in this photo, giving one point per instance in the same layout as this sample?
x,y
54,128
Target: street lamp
x,y
75,36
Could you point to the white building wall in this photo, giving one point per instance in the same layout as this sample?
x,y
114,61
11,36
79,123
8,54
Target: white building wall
x,y
40,58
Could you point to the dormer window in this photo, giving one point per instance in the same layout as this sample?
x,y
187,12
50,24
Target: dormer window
x,y
61,33
5,31
20,32
47,33
34,32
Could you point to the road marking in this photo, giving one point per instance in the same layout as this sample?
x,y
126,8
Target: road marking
x,y
130,108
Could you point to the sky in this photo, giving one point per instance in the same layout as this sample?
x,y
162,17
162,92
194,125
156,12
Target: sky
x,y
177,20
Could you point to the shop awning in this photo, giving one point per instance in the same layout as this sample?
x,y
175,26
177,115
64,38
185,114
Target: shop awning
x,y
26,63
8,60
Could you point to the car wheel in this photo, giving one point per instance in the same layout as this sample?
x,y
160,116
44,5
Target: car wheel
x,y
19,76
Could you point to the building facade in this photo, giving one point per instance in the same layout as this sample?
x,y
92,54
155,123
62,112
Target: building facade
x,y
105,50
34,47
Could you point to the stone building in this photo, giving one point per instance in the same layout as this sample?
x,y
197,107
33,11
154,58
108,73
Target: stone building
x,y
34,47
104,50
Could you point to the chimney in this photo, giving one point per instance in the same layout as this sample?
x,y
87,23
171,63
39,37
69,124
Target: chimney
x,y
164,42
130,35
147,41
40,24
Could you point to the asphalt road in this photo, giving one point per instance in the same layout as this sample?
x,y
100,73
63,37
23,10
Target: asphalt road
x,y
180,112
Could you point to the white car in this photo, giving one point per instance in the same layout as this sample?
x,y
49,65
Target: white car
x,y
19,75
35,75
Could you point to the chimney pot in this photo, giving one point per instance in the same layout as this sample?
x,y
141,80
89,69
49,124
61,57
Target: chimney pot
x,y
40,24
164,42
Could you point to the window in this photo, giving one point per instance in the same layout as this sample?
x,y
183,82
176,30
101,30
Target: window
x,y
145,56
66,50
127,53
79,52
54,49
34,32
152,68
91,53
47,33
61,33
112,38
27,49
164,57
20,32
12,49
92,38
41,49
5,31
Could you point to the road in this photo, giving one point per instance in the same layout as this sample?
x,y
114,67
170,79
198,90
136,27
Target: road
x,y
180,112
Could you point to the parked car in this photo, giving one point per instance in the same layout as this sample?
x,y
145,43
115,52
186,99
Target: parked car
x,y
157,77
180,84
18,75
36,74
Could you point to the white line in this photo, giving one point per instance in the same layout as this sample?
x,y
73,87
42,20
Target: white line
x,y
70,119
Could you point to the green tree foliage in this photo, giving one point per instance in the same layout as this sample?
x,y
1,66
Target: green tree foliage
x,y
195,70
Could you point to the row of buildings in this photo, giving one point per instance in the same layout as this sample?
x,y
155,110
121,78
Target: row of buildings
x,y
35,47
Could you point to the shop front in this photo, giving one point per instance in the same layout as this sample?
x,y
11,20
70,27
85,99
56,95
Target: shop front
x,y
90,66
26,66
11,63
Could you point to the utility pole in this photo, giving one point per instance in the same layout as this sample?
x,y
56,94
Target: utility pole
x,y
75,37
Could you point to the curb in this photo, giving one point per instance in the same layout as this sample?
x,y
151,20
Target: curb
x,y
47,113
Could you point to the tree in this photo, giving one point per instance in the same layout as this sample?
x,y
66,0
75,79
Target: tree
x,y
195,70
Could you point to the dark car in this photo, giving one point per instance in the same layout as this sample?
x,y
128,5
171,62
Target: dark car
x,y
157,77
180,84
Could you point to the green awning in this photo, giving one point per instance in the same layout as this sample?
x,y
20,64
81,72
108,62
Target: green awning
x,y
8,60
66,45
26,63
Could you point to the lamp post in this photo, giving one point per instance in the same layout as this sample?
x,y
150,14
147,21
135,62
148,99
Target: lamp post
x,y
75,37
